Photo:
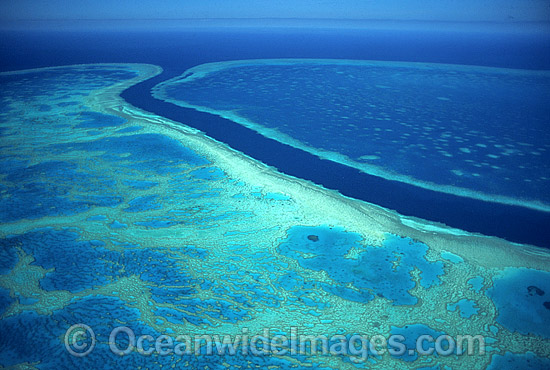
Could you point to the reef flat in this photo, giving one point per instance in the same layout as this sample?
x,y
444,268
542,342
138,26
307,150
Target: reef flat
x,y
112,216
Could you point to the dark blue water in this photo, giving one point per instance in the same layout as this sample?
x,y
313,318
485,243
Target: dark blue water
x,y
178,51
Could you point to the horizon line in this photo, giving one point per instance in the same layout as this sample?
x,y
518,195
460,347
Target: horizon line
x,y
511,20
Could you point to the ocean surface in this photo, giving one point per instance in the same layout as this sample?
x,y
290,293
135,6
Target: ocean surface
x,y
270,185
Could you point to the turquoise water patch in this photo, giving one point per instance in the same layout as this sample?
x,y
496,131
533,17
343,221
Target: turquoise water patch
x,y
522,297
382,271
451,257
476,283
277,196
466,307
117,225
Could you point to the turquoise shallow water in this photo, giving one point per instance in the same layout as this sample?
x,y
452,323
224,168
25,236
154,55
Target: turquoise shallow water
x,y
473,131
115,217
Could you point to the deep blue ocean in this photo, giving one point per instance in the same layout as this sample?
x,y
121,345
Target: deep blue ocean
x,y
177,50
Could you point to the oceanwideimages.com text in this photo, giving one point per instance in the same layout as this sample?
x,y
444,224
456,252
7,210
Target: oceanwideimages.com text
x,y
80,341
